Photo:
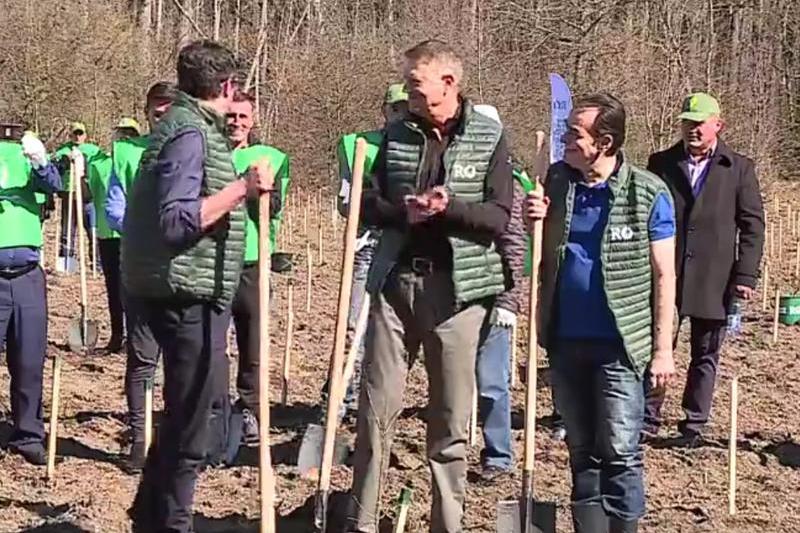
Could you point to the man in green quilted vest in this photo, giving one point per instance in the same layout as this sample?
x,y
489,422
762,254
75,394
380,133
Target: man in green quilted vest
x,y
395,107
245,309
24,171
142,349
183,245
441,195
605,311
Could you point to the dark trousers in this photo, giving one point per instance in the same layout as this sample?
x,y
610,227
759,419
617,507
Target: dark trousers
x,y
23,331
706,340
141,365
109,256
246,320
191,336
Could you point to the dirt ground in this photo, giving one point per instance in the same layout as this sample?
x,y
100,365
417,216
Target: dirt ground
x,y
687,489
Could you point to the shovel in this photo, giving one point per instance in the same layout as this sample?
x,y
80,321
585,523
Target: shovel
x,y
309,458
336,370
66,264
527,515
82,332
266,475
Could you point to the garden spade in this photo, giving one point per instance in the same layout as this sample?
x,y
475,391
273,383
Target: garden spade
x,y
82,332
336,370
309,458
527,515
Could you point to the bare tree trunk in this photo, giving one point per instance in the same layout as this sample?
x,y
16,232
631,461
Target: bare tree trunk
x,y
159,17
237,27
710,47
217,16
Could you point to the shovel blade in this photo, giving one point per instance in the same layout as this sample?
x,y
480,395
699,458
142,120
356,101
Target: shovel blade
x,y
309,458
511,519
66,265
78,342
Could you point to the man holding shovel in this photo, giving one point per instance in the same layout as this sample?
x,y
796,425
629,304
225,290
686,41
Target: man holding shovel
x,y
183,247
142,349
245,308
605,315
24,171
442,192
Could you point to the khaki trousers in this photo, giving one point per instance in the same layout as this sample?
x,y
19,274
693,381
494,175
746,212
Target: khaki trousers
x,y
414,310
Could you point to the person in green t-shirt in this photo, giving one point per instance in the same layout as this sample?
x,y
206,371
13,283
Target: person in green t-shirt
x,y
245,310
395,106
98,174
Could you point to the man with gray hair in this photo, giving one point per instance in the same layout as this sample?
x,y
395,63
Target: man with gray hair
x,y
442,193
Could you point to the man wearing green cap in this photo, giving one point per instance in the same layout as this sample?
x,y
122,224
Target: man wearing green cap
x,y
395,106
717,204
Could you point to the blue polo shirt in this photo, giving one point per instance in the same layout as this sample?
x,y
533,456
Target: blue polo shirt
x,y
583,311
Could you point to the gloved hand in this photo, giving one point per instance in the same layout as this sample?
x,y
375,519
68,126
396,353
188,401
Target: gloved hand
x,y
76,156
504,318
34,150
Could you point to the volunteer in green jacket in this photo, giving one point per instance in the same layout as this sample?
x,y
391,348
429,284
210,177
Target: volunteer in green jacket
x,y
245,308
24,171
98,174
141,346
395,107
183,246
605,315
78,138
442,193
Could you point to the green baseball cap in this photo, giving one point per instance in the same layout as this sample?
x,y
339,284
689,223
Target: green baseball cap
x,y
699,107
78,126
128,123
395,93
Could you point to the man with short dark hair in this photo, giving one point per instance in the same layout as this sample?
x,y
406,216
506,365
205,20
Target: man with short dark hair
x,y
182,252
245,310
720,223
605,313
441,195
142,349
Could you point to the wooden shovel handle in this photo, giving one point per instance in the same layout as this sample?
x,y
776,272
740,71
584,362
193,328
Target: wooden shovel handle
x,y
345,287
266,475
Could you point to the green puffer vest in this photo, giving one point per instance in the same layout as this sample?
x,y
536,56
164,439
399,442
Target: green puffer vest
x,y
209,269
477,267
625,254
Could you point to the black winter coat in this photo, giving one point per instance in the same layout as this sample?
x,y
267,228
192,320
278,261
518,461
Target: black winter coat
x,y
728,206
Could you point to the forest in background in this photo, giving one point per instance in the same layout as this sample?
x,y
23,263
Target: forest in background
x,y
321,66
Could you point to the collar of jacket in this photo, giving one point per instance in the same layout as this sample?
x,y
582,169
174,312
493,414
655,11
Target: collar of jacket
x,y
210,115
616,182
451,129
723,155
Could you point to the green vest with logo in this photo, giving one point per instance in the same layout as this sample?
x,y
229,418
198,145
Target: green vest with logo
x,y
346,153
625,254
208,269
127,154
99,174
19,211
477,267
279,161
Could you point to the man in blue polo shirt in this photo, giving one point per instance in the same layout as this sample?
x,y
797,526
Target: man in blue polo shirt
x,y
605,316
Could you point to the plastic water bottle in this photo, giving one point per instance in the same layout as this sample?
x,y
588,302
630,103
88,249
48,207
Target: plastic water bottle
x,y
734,318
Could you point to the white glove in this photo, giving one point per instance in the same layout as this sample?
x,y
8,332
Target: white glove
x,y
34,151
504,318
77,162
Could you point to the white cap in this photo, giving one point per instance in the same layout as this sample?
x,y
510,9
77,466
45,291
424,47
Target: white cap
x,y
488,111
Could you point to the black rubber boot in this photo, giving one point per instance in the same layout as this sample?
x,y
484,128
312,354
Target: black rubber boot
x,y
589,518
623,526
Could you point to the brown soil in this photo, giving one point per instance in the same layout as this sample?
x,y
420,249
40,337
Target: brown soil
x,y
687,489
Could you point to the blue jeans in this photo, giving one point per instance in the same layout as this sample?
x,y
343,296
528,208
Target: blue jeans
x,y
602,402
494,398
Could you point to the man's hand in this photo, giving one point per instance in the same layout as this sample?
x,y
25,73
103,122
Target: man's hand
x,y
662,368
438,199
416,208
260,178
744,292
536,204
